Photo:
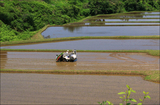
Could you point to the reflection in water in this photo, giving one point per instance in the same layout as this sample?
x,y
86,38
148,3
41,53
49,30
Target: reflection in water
x,y
150,13
96,44
131,16
127,19
86,61
58,32
123,16
71,28
46,37
138,16
151,16
131,23
3,59
144,13
122,19
66,64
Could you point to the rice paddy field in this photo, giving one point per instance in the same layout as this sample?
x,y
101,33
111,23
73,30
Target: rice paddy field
x,y
112,50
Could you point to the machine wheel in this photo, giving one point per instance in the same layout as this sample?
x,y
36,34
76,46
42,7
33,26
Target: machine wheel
x,y
64,60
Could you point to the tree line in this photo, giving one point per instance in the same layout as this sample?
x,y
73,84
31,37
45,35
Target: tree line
x,y
19,18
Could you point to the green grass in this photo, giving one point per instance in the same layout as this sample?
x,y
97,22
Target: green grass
x,y
150,52
33,41
148,75
78,21
38,38
38,34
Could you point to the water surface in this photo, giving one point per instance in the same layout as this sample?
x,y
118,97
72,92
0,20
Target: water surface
x,y
114,24
136,20
96,44
151,13
131,23
75,31
151,16
86,61
129,16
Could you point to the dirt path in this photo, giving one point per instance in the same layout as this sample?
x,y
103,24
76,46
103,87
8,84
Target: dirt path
x,y
86,61
72,89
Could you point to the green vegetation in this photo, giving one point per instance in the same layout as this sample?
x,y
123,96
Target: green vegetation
x,y
149,75
8,34
20,20
150,52
39,39
126,98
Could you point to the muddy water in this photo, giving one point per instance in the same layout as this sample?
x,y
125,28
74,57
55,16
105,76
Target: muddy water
x,y
86,61
56,32
95,44
72,89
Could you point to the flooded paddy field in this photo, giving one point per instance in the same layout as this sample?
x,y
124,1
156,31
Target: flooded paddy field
x,y
95,44
137,13
123,24
122,20
71,31
72,89
116,24
131,17
128,16
151,16
151,13
131,23
83,89
126,19
86,61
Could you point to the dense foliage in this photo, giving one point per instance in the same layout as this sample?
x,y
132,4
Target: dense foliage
x,y
18,18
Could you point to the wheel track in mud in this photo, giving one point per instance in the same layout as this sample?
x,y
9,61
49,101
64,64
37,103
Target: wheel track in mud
x,y
86,61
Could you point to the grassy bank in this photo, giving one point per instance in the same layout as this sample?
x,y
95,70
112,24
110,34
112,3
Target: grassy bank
x,y
153,75
150,52
36,40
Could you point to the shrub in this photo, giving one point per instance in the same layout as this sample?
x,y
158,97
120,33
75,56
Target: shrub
x,y
126,98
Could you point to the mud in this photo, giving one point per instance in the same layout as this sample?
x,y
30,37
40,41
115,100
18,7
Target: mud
x,y
86,61
72,89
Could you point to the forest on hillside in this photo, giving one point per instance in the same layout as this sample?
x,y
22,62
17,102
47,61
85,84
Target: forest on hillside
x,y
19,19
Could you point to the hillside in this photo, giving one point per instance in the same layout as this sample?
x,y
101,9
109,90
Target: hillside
x,y
20,19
